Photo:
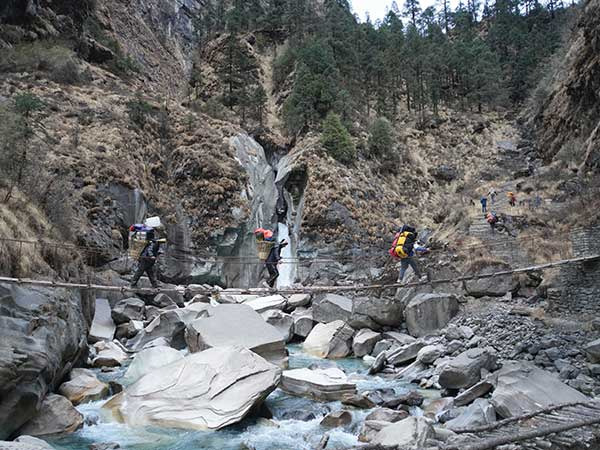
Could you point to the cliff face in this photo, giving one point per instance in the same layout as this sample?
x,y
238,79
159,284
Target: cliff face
x,y
567,123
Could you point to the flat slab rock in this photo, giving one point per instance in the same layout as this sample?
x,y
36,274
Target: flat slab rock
x,y
321,384
237,325
203,391
103,328
522,387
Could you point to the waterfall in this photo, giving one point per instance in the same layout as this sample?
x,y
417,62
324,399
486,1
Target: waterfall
x,y
287,266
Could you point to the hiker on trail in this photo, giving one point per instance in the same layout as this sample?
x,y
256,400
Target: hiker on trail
x,y
404,248
146,262
512,199
492,219
483,202
492,195
272,261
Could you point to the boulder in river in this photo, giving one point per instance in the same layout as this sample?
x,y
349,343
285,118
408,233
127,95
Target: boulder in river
x,y
170,325
203,391
331,307
110,354
387,415
336,419
404,354
83,387
25,442
364,341
149,360
522,387
377,312
303,322
103,328
284,323
465,370
237,325
128,309
331,340
42,334
430,353
56,416
427,313
410,433
324,385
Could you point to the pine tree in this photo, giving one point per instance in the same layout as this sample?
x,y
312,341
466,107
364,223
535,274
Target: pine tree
x,y
412,10
336,139
380,137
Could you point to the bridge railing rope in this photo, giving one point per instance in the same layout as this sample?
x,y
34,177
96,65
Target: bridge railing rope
x,y
195,289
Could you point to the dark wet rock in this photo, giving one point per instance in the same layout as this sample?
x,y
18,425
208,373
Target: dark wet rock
x,y
337,419
127,310
42,334
387,415
412,398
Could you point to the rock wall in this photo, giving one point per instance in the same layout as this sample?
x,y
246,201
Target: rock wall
x,y
42,334
579,284
568,117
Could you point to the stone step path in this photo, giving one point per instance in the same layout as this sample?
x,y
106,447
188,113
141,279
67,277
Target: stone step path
x,y
499,245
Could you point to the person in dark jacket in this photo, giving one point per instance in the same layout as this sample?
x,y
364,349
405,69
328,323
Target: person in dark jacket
x,y
146,263
272,261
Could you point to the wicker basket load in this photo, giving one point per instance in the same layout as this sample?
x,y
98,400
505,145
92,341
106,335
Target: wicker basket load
x,y
264,248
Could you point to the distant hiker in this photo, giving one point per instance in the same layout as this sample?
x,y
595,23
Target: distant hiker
x,y
492,195
404,248
483,202
146,262
492,219
272,261
512,199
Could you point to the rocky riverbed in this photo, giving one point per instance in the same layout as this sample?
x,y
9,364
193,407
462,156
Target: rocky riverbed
x,y
248,372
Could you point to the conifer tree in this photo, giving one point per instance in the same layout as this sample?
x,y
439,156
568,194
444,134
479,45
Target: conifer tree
x,y
336,139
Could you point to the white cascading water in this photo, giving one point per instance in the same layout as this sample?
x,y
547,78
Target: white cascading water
x,y
286,268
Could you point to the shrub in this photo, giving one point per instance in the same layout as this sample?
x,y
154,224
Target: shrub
x,y
66,73
138,111
283,66
380,137
336,139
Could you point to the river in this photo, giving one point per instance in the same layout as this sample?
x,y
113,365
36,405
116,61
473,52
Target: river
x,y
285,431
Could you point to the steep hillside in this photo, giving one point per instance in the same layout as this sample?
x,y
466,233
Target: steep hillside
x,y
566,121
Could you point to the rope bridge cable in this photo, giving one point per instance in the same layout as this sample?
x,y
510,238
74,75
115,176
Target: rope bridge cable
x,y
193,289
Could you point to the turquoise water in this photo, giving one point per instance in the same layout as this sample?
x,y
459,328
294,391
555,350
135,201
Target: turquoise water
x,y
281,433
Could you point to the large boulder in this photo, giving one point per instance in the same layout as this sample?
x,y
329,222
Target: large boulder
x,y
149,360
377,311
323,385
479,413
430,353
465,370
169,325
331,307
56,416
127,310
103,328
83,387
203,391
410,433
492,286
522,387
284,323
303,322
42,334
237,325
364,341
298,300
427,313
331,340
